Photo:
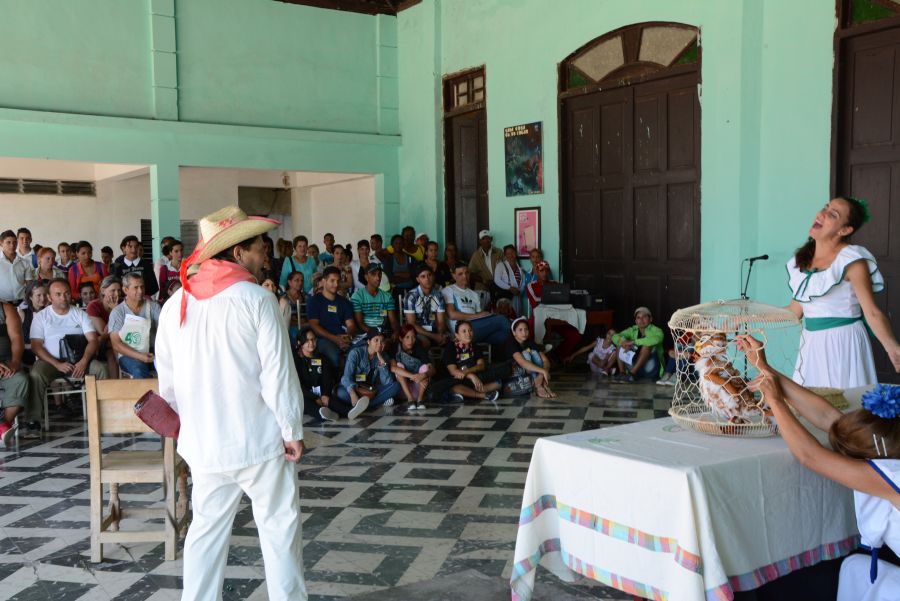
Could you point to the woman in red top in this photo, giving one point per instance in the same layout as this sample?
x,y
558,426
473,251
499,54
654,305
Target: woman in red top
x,y
86,269
571,336
168,271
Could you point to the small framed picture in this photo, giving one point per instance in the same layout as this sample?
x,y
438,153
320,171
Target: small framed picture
x,y
528,230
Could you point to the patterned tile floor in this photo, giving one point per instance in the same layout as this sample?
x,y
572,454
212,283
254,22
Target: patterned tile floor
x,y
391,499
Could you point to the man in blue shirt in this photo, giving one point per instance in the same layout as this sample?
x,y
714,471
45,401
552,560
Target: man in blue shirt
x,y
331,317
425,311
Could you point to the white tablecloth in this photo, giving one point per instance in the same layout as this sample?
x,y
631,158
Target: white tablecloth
x,y
666,513
568,313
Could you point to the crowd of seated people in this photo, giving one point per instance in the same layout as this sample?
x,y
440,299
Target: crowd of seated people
x,y
369,324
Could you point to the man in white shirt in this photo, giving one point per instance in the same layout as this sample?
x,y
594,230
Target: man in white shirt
x,y
23,246
49,328
484,261
13,269
225,365
464,303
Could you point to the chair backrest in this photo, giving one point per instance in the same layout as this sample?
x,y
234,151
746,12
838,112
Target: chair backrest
x,y
110,405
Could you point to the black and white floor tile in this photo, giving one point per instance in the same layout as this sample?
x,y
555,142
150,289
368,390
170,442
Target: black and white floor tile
x,y
389,500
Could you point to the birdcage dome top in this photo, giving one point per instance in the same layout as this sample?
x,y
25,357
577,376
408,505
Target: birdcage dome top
x,y
732,316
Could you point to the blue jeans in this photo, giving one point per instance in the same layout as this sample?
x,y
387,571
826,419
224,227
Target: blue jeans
x,y
493,329
135,368
650,369
330,351
385,391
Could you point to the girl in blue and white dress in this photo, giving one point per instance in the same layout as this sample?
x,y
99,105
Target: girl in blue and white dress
x,y
866,458
833,284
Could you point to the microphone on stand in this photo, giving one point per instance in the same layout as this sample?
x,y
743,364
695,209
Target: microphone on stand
x,y
746,283
759,258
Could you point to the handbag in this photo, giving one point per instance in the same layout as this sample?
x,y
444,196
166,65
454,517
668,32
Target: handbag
x,y
154,411
72,347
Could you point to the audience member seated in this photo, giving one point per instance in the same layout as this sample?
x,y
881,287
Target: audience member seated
x,y
509,278
442,276
463,303
467,375
163,259
317,380
61,325
346,286
422,241
300,261
331,318
400,268
132,328
484,261
23,247
293,305
602,354
640,348
14,270
86,294
379,253
46,268
313,252
13,381
535,256
326,257
131,262
424,310
65,258
571,337
98,311
36,299
170,269
85,270
367,381
412,368
409,246
361,262
373,308
451,260
530,366
106,257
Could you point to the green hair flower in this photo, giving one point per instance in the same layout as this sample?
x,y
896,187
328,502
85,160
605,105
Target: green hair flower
x,y
864,207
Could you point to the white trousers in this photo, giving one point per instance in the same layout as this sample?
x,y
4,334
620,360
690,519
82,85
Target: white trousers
x,y
272,488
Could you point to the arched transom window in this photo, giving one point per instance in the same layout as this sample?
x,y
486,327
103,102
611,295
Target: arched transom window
x,y
630,53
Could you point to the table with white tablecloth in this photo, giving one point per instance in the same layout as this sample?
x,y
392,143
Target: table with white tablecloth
x,y
662,512
567,313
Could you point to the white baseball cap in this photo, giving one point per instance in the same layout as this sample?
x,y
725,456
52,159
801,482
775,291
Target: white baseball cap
x,y
485,234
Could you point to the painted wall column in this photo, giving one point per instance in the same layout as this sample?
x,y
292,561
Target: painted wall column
x,y
165,206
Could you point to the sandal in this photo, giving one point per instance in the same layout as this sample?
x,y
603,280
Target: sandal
x,y
543,393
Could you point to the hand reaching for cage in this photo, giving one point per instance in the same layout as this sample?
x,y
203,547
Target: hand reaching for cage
x,y
754,351
768,384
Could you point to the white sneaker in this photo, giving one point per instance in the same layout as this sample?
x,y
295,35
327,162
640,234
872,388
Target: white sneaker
x,y
421,406
388,402
672,380
361,405
664,381
328,415
492,396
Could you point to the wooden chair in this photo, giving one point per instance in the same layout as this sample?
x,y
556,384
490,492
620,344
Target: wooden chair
x,y
110,410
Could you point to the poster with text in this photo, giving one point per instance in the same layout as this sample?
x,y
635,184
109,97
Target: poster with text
x,y
524,159
528,230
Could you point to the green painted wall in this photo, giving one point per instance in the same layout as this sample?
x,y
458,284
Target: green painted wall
x,y
765,112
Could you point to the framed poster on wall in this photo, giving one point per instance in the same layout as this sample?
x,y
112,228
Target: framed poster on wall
x,y
527,230
523,145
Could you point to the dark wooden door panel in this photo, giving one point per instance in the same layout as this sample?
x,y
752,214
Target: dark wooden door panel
x,y
868,158
631,195
467,200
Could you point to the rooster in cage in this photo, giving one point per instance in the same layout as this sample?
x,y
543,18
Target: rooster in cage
x,y
722,388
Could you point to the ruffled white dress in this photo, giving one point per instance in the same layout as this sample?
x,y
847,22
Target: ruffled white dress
x,y
839,356
879,525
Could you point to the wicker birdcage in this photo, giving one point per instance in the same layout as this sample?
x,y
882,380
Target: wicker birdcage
x,y
712,376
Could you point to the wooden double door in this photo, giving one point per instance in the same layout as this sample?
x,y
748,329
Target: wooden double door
x,y
631,206
466,179
867,161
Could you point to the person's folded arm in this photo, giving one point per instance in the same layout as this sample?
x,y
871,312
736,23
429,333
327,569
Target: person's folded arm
x,y
279,384
652,337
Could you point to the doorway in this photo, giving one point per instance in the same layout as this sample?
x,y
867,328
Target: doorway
x,y
867,144
465,156
631,169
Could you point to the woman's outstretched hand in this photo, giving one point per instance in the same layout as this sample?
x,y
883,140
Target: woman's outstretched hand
x,y
756,355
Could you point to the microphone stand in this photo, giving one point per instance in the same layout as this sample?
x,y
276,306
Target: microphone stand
x,y
746,283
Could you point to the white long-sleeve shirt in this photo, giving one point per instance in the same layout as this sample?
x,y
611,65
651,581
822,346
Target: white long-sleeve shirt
x,y
229,373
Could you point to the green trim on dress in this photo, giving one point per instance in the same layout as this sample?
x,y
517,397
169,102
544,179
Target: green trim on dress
x,y
839,281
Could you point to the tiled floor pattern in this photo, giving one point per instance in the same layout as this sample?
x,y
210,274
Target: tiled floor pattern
x,y
389,500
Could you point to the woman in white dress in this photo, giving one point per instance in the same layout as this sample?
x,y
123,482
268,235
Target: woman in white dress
x,y
866,458
833,284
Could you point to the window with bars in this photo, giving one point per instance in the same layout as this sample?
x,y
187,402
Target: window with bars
x,y
464,90
189,236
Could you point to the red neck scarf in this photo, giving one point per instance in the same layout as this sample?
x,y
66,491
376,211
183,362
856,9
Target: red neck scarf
x,y
214,276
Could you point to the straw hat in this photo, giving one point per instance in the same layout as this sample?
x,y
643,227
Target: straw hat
x,y
225,228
